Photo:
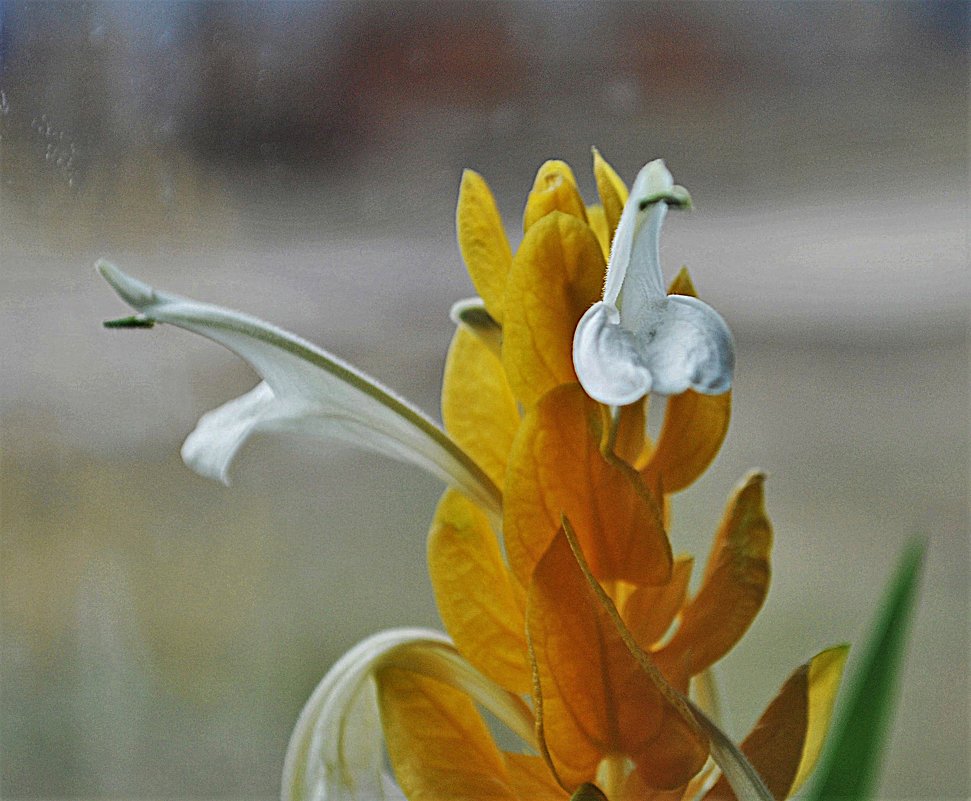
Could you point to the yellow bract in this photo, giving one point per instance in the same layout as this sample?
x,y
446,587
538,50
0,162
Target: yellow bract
x,y
572,604
612,191
438,743
785,743
556,275
733,588
596,700
480,604
555,189
482,241
478,407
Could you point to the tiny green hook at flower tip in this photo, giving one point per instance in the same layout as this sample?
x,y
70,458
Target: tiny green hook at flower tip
x,y
133,321
676,197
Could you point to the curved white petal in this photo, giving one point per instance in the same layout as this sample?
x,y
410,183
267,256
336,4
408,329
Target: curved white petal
x,y
606,358
653,182
305,389
336,751
687,345
644,284
683,344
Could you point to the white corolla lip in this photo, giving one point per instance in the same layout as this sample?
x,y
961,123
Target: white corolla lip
x,y
336,751
639,339
304,389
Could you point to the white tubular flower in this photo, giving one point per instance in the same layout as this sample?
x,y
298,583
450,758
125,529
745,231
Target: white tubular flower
x,y
336,751
639,339
304,389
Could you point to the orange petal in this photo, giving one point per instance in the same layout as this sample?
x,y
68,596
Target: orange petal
x,y
595,698
556,468
479,602
694,426
478,406
692,433
733,588
778,746
437,742
555,189
595,691
613,192
650,611
482,241
556,276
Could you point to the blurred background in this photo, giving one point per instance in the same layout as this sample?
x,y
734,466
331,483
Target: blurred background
x,y
301,161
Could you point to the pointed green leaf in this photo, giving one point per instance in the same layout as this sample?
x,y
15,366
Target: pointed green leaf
x,y
851,760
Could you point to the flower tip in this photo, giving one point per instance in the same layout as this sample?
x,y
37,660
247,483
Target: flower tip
x,y
655,183
136,293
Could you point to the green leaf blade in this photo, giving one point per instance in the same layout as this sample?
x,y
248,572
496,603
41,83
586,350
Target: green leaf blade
x,y
851,761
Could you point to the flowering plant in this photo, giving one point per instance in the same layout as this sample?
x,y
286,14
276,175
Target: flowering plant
x,y
568,614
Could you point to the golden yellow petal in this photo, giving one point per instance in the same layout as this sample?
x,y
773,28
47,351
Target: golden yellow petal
x,y
825,674
555,189
613,193
480,603
733,588
785,742
556,468
438,744
478,406
482,241
531,779
557,274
